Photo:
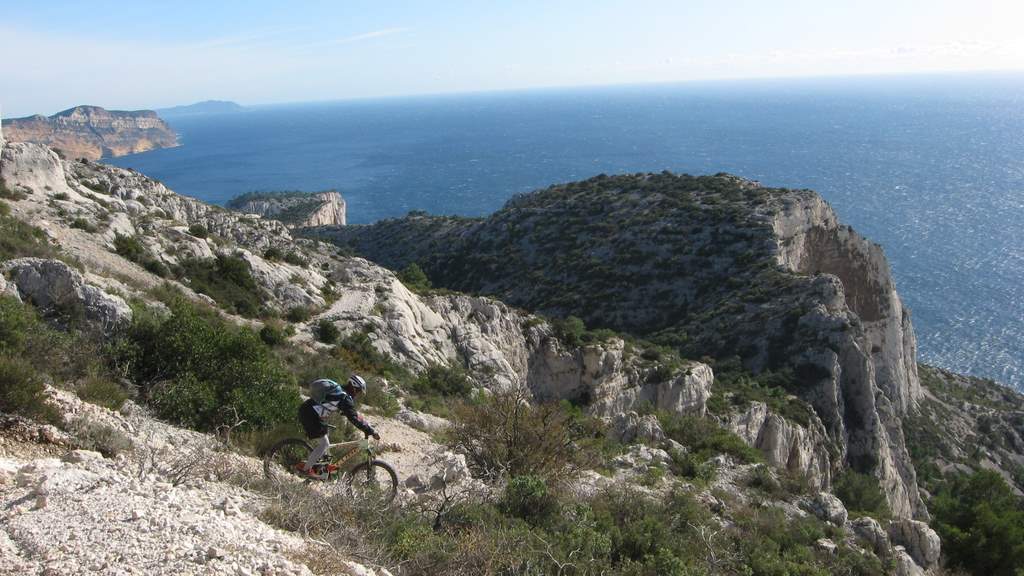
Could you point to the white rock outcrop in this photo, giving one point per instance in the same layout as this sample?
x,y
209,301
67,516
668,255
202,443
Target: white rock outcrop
x,y
56,288
786,445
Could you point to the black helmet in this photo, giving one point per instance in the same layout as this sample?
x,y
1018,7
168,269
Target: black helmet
x,y
357,383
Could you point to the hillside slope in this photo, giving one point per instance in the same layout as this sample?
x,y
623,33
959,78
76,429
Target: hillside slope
x,y
713,266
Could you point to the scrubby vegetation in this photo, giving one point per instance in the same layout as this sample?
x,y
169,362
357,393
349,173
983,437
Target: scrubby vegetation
x,y
415,279
19,239
981,523
228,280
201,371
862,495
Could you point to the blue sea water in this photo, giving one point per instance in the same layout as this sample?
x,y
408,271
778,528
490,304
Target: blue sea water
x,y
930,167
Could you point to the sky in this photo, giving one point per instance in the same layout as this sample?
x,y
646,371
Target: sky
x,y
133,54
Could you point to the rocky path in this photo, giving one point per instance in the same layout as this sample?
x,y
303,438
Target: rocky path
x,y
173,504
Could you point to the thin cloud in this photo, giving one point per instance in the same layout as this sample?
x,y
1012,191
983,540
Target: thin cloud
x,y
354,38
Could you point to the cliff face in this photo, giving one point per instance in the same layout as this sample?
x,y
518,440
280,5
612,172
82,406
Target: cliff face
x,y
295,209
92,132
712,266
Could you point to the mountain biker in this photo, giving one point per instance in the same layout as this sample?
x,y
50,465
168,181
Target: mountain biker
x,y
313,411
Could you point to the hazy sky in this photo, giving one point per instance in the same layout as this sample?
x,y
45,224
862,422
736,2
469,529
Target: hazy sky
x,y
147,54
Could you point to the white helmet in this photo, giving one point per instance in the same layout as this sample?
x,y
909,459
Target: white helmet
x,y
357,383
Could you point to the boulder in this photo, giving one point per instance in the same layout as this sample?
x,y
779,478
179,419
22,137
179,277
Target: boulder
x,y
59,290
905,565
827,508
919,540
453,469
827,546
631,428
421,421
870,531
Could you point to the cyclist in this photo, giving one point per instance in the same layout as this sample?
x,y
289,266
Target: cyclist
x,y
328,396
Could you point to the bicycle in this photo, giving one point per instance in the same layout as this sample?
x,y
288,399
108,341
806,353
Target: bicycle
x,y
361,475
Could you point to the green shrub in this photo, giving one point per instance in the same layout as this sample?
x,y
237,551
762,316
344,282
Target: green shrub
x,y
981,523
296,259
706,438
529,498
327,332
226,279
415,279
22,390
83,224
273,253
19,239
570,330
130,248
197,369
298,314
861,495
102,392
274,334
445,381
198,230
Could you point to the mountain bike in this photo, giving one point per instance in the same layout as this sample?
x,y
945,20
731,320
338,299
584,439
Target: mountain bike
x,y
364,476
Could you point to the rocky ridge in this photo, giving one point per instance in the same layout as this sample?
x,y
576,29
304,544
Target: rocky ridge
x,y
92,132
713,266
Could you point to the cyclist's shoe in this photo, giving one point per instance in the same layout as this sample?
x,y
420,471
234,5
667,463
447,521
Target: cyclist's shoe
x,y
313,473
330,468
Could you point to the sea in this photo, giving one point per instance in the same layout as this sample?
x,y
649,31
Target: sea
x,y
930,166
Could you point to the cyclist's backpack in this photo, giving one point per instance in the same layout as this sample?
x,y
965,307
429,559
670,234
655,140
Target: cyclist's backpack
x,y
320,389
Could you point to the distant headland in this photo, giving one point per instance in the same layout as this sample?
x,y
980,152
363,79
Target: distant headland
x,y
92,132
204,107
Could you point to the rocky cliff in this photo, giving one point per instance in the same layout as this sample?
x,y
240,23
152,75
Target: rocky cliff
x,y
92,132
712,266
296,209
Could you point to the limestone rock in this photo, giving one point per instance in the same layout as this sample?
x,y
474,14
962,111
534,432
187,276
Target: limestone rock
x,y
827,508
58,289
905,565
869,530
421,421
920,541
92,132
631,428
786,445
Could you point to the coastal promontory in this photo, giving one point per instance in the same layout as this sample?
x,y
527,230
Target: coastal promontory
x,y
92,132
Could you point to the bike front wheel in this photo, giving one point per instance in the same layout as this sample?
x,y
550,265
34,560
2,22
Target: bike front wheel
x,y
373,481
281,459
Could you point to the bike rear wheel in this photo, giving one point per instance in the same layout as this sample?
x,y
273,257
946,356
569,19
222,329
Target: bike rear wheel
x,y
280,460
373,481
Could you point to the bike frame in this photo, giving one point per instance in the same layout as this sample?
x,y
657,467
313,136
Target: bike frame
x,y
347,460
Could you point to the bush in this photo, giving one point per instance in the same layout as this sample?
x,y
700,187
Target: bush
x,y
130,247
295,259
981,523
528,497
22,390
861,495
570,330
327,332
504,435
273,253
19,239
415,279
226,279
102,392
198,230
199,370
706,438
274,334
445,381
101,438
298,314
